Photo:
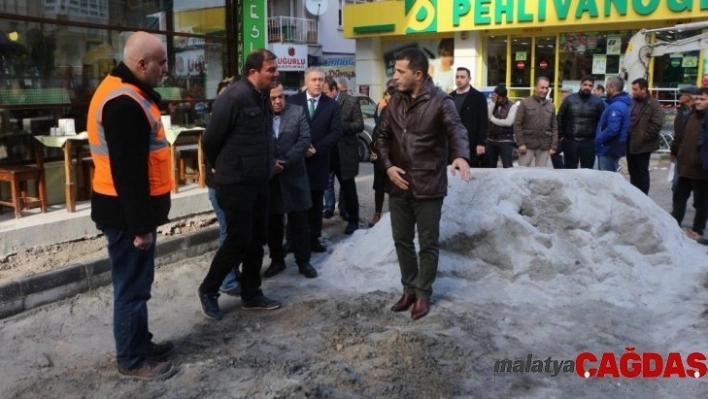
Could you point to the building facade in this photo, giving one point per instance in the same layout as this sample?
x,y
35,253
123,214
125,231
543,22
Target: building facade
x,y
54,53
514,42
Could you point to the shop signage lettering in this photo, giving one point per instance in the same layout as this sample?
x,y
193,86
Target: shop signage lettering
x,y
487,12
290,57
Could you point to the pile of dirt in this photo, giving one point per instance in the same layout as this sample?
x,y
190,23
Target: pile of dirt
x,y
42,259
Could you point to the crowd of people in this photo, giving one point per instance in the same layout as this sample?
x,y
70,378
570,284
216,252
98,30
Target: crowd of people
x,y
271,159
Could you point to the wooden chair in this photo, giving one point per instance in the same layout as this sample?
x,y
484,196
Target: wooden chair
x,y
18,176
188,155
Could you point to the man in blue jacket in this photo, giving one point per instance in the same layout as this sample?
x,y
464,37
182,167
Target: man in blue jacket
x,y
611,137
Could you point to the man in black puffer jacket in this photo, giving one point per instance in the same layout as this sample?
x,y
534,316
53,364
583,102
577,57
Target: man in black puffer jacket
x,y
577,122
239,142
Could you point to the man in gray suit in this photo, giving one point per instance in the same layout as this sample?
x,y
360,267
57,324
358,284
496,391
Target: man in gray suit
x,y
345,157
289,187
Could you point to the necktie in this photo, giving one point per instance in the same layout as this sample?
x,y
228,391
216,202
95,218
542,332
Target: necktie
x,y
312,106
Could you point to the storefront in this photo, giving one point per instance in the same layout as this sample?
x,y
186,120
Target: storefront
x,y
54,53
514,42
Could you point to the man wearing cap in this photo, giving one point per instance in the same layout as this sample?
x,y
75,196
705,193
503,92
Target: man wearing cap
x,y
578,116
682,112
500,135
693,176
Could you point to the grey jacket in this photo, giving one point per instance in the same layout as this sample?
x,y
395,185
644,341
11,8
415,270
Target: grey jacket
x,y
348,145
290,146
535,124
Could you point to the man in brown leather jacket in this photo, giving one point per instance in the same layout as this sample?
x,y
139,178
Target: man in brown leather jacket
x,y
412,147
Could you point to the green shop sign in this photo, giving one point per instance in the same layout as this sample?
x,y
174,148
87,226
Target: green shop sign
x,y
253,29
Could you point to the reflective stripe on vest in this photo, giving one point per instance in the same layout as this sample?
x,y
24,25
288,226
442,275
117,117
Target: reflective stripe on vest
x,y
159,169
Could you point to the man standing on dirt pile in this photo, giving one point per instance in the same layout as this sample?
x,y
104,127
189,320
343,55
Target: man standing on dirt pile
x,y
131,195
420,123
239,143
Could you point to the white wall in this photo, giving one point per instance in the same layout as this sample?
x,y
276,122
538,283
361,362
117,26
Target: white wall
x,y
331,37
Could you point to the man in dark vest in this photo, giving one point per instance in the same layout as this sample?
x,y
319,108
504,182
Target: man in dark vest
x,y
472,107
500,136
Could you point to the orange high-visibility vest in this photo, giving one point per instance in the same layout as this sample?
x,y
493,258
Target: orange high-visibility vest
x,y
159,173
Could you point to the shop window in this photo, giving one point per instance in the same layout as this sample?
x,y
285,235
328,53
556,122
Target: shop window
x,y
593,53
545,58
521,64
496,60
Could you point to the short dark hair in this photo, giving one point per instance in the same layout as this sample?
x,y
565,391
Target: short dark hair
x,y
256,58
702,90
600,87
641,82
329,81
587,78
469,74
390,90
417,61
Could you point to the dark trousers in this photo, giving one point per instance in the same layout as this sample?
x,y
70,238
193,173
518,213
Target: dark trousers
x,y
557,158
503,149
478,161
246,211
418,272
299,234
638,165
582,152
348,199
315,214
133,271
700,202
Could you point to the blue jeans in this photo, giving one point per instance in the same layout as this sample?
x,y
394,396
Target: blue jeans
x,y
133,271
608,162
230,281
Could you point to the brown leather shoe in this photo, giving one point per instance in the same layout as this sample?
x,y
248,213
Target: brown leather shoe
x,y
404,303
149,370
421,308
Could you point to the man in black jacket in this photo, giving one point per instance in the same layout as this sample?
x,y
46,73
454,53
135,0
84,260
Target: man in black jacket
x,y
578,117
239,142
472,107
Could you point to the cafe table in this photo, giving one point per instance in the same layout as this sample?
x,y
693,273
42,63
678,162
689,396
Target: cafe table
x,y
179,136
67,143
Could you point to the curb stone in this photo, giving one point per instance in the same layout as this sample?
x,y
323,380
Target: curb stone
x,y
27,293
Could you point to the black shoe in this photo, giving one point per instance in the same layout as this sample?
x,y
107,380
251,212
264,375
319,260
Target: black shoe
x,y
160,351
351,228
276,266
316,246
260,302
210,305
702,241
307,270
288,247
344,216
328,214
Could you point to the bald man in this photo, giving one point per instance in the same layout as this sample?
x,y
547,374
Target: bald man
x,y
131,196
